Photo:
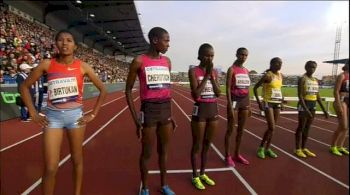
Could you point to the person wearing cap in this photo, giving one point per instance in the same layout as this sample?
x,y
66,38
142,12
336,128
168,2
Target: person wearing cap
x,y
24,70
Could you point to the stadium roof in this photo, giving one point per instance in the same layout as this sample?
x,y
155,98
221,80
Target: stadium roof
x,y
340,61
111,26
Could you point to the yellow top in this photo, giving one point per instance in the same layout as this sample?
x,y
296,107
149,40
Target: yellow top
x,y
310,88
272,91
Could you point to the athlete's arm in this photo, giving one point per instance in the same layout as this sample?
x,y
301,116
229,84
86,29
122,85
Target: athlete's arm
x,y
301,83
336,93
195,88
88,71
173,122
25,94
134,67
255,89
321,105
215,83
228,91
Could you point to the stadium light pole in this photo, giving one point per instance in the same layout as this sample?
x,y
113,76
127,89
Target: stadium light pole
x,y
337,47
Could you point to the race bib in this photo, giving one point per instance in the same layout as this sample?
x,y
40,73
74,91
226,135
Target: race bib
x,y
157,77
312,88
63,89
208,91
242,81
195,111
276,94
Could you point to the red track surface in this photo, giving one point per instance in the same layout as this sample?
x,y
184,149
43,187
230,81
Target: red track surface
x,y
111,156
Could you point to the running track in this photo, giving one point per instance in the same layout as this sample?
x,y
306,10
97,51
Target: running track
x,y
111,152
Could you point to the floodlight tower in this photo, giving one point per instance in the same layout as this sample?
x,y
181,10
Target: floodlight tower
x,y
336,49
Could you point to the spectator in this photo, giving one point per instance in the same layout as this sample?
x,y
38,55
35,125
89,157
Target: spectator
x,y
22,75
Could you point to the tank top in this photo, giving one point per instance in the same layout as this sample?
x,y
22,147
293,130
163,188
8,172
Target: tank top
x,y
154,76
240,82
272,91
207,94
310,88
345,83
65,85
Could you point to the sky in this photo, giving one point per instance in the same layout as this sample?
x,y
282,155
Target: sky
x,y
295,31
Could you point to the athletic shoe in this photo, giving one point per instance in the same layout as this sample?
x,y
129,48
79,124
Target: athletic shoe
x,y
144,192
240,159
167,191
343,150
197,183
270,153
261,152
300,153
207,180
334,150
229,162
25,121
308,152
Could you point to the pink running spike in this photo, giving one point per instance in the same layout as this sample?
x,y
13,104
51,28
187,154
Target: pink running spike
x,y
240,159
229,162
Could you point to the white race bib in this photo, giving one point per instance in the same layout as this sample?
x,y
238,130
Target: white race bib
x,y
311,88
62,88
157,77
276,94
208,91
242,81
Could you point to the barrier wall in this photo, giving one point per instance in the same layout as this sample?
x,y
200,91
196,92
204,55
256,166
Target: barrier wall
x,y
9,109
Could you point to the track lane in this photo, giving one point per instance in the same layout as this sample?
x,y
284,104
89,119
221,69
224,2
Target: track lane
x,y
22,165
285,160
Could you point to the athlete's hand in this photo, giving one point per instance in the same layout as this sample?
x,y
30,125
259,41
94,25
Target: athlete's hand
x,y
309,114
249,112
209,67
282,106
326,115
40,119
174,125
85,119
260,106
230,114
139,128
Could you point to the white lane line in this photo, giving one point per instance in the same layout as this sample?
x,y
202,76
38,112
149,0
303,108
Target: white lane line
x,y
65,159
224,100
235,172
292,156
190,170
286,129
33,136
297,159
314,126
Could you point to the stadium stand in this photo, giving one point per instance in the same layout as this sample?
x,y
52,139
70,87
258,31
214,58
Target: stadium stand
x,y
25,38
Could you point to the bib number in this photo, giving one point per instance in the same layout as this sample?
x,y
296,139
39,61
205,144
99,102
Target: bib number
x,y
276,94
242,81
195,111
157,77
62,89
